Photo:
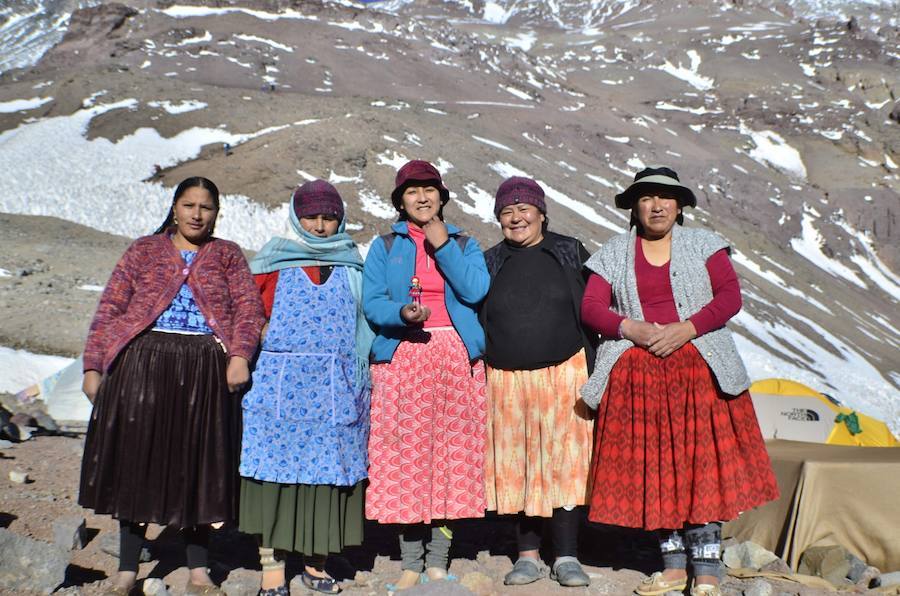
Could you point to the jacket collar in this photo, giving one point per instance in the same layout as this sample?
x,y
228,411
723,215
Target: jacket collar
x,y
402,228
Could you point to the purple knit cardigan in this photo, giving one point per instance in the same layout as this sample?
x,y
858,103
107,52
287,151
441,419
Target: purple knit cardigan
x,y
146,280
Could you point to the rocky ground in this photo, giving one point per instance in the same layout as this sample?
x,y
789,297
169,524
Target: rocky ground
x,y
44,509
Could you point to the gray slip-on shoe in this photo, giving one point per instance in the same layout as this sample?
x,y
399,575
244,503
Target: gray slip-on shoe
x,y
568,572
525,571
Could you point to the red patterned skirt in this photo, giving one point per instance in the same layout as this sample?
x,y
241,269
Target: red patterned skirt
x,y
427,439
672,449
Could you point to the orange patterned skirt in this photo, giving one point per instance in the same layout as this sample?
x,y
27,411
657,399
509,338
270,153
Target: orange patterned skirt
x,y
539,438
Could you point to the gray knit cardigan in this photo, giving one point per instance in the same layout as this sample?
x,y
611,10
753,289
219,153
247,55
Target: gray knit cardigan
x,y
692,290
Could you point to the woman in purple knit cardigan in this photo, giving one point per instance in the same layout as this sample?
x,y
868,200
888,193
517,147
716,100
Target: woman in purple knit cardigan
x,y
170,343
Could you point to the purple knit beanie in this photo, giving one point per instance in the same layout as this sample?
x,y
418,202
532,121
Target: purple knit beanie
x,y
519,190
317,197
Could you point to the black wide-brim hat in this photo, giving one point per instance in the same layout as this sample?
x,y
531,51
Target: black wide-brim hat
x,y
656,180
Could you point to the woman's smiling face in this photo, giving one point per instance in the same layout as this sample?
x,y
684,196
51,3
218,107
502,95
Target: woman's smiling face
x,y
522,224
421,203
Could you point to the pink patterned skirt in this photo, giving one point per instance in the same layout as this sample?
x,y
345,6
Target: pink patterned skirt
x,y
427,441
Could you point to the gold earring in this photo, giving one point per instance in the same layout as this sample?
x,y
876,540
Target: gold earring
x,y
175,220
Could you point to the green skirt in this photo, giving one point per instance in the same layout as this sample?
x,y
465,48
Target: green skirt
x,y
311,519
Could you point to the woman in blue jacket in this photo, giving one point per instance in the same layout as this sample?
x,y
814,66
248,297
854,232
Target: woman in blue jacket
x,y
422,284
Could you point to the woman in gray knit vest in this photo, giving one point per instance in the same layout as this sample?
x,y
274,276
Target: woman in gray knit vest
x,y
678,448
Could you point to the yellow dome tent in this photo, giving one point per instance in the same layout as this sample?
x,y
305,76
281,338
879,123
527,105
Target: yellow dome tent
x,y
790,410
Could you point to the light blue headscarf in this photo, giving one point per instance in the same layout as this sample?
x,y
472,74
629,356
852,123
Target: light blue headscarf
x,y
307,250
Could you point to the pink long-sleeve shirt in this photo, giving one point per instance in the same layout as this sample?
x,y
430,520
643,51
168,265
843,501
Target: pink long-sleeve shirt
x,y
431,279
657,300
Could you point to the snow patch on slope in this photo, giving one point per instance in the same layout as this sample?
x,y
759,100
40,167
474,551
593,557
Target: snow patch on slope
x,y
809,245
103,189
849,376
23,105
770,149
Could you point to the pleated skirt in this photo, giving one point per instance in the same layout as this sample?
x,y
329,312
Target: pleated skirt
x,y
163,440
539,439
311,519
672,449
426,444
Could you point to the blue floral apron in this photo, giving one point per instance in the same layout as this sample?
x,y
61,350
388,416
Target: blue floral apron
x,y
305,420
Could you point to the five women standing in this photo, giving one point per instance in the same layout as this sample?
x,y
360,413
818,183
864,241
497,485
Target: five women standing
x,y
677,447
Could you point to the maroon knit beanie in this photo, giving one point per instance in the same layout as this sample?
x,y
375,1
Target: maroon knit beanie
x,y
317,197
519,190
416,172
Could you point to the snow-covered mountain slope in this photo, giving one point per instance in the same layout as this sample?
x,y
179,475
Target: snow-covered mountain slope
x,y
28,28
784,121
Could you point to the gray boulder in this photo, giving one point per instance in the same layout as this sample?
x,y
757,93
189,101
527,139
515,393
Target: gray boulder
x,y
747,555
833,563
70,533
153,586
28,565
45,421
759,587
890,579
244,582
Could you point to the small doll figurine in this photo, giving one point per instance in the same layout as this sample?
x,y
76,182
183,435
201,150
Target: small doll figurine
x,y
415,290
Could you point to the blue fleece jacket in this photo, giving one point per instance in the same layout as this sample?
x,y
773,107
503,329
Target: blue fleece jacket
x,y
386,278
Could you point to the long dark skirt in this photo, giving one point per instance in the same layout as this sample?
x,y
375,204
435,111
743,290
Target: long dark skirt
x,y
162,443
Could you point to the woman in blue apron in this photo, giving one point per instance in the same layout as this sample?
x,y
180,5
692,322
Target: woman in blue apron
x,y
306,417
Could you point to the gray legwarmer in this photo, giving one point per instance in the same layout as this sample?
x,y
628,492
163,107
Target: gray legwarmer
x,y
671,545
704,544
413,547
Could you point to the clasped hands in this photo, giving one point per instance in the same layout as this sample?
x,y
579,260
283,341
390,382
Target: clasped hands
x,y
660,340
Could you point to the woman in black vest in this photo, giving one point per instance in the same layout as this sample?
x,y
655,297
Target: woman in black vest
x,y
539,432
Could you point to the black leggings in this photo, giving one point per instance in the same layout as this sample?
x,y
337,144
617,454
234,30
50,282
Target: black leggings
x,y
564,528
131,541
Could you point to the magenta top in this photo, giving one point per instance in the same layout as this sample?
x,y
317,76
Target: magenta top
x,y
657,300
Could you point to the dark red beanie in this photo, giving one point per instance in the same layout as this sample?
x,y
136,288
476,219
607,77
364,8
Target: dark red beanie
x,y
317,197
519,190
414,173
